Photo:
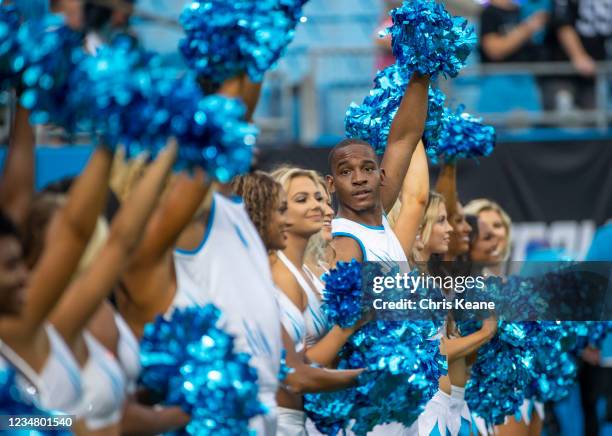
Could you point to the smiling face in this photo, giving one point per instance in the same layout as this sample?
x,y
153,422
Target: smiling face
x,y
496,223
356,177
439,237
13,276
485,249
460,236
276,230
304,207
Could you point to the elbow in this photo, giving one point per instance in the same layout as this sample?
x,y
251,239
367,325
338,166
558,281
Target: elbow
x,y
125,239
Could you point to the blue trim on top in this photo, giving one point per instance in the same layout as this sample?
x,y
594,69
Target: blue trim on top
x,y
350,235
235,198
241,236
371,227
209,223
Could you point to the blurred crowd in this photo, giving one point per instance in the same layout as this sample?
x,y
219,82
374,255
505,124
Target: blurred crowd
x,y
527,31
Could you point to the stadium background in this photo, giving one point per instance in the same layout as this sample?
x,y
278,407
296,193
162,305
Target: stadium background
x,y
552,171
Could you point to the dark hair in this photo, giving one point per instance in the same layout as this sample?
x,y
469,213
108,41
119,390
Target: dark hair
x,y
473,222
8,227
342,144
96,16
61,186
260,193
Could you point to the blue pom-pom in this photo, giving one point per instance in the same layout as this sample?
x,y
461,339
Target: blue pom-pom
x,y
402,370
48,52
343,294
553,373
130,99
224,39
428,40
15,401
371,121
192,363
9,48
462,136
211,131
500,376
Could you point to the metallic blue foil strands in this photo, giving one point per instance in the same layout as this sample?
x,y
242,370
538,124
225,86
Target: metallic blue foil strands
x,y
500,376
210,131
48,51
117,96
192,363
582,334
135,102
9,23
284,370
402,371
462,136
224,39
553,373
371,121
14,401
342,297
428,40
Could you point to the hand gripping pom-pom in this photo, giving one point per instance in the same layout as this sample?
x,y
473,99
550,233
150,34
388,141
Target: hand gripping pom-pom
x,y
427,40
371,121
402,371
192,363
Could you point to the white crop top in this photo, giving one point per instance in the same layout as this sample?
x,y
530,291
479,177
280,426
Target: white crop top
x,y
128,353
103,386
230,268
314,320
292,320
378,243
58,385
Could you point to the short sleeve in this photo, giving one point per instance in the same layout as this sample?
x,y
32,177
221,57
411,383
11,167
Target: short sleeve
x,y
489,22
564,13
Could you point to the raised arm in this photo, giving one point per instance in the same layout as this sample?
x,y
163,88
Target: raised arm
x,y
67,238
414,195
405,133
85,295
305,378
173,214
17,183
250,95
447,186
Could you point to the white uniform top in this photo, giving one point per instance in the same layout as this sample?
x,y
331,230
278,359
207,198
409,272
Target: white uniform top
x,y
58,385
292,320
230,269
378,243
128,353
315,322
104,386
